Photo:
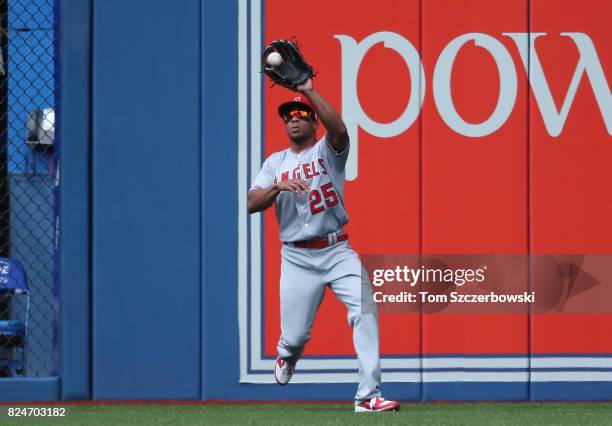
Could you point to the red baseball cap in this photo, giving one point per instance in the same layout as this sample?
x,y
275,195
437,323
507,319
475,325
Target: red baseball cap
x,y
297,102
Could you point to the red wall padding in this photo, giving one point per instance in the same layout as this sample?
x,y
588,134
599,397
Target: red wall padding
x,y
432,189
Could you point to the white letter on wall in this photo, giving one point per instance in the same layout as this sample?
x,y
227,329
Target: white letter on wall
x,y
507,85
352,113
589,61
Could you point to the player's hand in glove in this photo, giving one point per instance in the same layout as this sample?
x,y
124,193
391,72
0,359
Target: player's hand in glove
x,y
305,87
293,70
297,186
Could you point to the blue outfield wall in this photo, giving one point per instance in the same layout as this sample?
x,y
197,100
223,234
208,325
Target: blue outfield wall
x,y
146,200
149,210
74,239
220,354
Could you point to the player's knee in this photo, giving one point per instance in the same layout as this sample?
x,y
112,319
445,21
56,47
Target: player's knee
x,y
354,317
295,341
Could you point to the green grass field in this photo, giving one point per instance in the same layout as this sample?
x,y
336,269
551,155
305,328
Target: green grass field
x,y
287,414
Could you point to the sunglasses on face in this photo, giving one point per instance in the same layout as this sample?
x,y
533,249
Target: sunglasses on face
x,y
301,114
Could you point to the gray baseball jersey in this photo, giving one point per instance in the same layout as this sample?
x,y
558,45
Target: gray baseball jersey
x,y
305,273
320,211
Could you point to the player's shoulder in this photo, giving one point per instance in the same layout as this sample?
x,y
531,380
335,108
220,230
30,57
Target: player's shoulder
x,y
321,143
277,157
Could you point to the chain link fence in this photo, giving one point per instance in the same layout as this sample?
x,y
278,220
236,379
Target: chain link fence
x,y
28,311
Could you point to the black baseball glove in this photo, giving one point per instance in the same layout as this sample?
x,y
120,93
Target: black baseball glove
x,y
292,71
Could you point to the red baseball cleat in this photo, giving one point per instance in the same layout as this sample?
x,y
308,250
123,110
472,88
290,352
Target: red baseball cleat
x,y
376,405
283,371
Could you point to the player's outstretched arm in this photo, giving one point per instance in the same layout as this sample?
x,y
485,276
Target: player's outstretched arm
x,y
337,135
260,199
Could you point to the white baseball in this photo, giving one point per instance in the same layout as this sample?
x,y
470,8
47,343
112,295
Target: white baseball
x,y
274,59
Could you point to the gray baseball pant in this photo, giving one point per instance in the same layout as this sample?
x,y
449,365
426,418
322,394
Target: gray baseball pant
x,y
304,276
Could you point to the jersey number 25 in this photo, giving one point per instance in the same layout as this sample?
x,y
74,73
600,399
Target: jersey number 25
x,y
316,199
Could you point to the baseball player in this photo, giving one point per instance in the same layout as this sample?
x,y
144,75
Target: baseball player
x,y
306,184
